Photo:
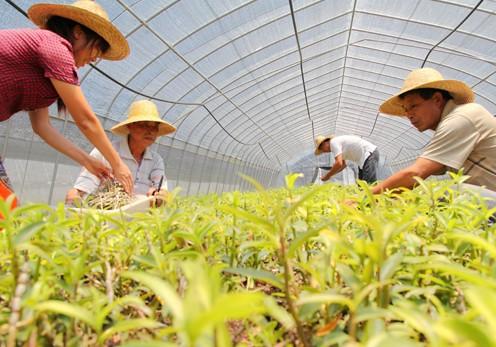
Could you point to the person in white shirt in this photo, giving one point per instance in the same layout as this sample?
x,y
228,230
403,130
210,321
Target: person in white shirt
x,y
349,147
140,130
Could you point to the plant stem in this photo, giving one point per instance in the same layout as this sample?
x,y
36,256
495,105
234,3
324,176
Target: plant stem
x,y
287,288
20,288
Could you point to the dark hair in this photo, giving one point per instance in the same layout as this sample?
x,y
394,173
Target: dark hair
x,y
427,93
65,27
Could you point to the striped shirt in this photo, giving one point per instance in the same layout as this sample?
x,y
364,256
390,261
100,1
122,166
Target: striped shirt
x,y
29,58
146,174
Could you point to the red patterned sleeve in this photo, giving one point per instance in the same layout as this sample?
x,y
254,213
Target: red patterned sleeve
x,y
57,60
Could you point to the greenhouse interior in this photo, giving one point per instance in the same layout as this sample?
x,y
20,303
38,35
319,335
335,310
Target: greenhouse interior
x,y
263,235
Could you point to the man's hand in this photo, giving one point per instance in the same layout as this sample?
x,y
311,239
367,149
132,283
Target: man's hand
x,y
73,196
161,196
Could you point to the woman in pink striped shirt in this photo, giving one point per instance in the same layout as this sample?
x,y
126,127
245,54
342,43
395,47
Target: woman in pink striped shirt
x,y
39,67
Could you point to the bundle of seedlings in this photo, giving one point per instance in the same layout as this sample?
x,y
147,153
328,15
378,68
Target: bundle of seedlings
x,y
110,195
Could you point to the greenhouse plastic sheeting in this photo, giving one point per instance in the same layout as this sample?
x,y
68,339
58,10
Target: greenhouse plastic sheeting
x,y
249,84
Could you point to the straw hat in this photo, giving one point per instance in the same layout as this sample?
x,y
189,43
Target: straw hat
x,y
318,141
89,14
427,78
143,111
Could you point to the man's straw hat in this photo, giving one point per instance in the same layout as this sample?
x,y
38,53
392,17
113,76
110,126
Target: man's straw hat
x,y
427,78
318,141
143,111
89,14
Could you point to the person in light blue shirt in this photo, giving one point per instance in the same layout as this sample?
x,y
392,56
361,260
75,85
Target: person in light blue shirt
x,y
139,131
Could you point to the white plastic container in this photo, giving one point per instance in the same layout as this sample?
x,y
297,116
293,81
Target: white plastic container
x,y
139,203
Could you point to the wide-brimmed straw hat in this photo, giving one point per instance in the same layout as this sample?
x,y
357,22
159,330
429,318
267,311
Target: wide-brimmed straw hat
x,y
143,111
427,78
318,141
89,14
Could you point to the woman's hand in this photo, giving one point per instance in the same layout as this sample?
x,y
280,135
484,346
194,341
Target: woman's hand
x,y
123,175
97,167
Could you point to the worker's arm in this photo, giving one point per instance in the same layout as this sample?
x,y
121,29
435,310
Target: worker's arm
x,y
90,126
40,122
422,168
339,165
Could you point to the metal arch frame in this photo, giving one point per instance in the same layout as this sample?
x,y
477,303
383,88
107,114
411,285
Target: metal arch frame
x,y
292,52
443,65
134,30
379,74
424,23
189,64
437,26
201,140
287,67
198,124
345,59
244,90
301,64
260,49
274,60
193,88
275,128
441,49
318,111
461,5
175,43
386,145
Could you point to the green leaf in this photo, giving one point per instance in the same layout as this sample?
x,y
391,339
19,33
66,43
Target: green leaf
x,y
248,216
279,313
461,272
151,343
231,306
390,266
349,276
261,275
301,200
389,340
67,309
325,299
418,320
291,178
161,288
476,241
371,313
253,182
27,232
483,300
460,332
296,244
222,336
127,300
129,324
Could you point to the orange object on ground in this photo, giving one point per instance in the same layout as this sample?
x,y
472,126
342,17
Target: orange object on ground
x,y
5,192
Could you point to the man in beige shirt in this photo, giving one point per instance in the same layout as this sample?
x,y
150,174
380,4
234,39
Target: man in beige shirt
x,y
465,132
